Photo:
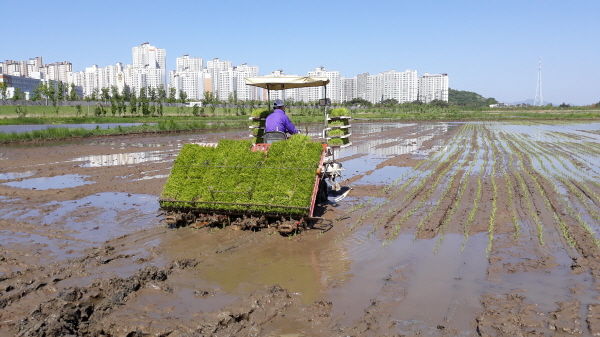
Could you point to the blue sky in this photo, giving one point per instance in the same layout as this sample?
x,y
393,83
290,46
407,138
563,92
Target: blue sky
x,y
489,47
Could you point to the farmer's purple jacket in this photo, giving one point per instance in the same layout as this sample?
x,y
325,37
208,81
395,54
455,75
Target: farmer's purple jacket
x,y
279,121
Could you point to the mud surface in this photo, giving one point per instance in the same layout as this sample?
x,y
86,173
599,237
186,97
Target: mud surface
x,y
451,229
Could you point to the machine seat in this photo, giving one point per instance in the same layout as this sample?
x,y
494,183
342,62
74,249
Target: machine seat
x,y
273,136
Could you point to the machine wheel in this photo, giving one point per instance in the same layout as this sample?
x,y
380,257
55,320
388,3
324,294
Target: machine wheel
x,y
322,195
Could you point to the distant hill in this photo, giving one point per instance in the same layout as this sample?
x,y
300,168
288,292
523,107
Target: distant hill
x,y
468,98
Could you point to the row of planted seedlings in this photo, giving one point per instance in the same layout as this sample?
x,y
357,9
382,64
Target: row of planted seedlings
x,y
233,179
480,174
434,177
566,178
424,164
511,142
536,154
567,205
417,173
517,148
492,219
564,199
448,186
458,197
438,160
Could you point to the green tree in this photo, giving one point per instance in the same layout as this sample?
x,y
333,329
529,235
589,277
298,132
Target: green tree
x,y
51,92
358,102
95,94
21,111
132,103
196,110
126,93
209,100
17,94
105,95
60,91
439,103
152,94
160,108
389,102
3,90
114,93
73,94
162,94
172,93
182,96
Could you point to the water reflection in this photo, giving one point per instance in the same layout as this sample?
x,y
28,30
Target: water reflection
x,y
46,183
117,159
28,128
16,175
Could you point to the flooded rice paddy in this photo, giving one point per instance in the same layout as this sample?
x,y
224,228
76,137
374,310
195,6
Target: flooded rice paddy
x,y
450,229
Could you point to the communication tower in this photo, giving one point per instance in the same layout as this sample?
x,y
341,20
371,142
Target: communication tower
x,y
539,99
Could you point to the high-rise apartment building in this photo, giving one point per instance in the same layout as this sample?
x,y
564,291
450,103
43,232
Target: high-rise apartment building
x,y
332,91
242,91
188,77
433,86
149,67
215,67
187,63
403,87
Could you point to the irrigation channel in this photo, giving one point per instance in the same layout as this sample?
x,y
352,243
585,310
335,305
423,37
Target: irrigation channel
x,y
451,229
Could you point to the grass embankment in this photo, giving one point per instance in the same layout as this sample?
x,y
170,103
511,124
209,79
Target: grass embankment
x,y
181,119
242,180
65,133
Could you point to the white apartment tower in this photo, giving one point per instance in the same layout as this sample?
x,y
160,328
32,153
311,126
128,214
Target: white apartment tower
x,y
332,90
215,67
245,92
402,87
149,67
433,87
187,63
188,77
348,89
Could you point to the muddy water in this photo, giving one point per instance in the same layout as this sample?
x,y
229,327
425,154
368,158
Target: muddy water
x,y
450,229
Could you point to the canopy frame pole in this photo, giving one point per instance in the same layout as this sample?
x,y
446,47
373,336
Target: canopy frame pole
x,y
268,97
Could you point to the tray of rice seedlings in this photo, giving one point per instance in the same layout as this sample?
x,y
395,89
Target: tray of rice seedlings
x,y
231,179
338,128
339,114
258,119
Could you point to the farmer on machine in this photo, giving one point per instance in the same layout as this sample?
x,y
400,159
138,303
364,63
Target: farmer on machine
x,y
278,120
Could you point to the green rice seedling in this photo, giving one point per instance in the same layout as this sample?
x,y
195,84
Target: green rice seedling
x,y
260,113
338,141
475,202
526,194
444,193
230,177
423,164
455,205
337,132
338,112
341,122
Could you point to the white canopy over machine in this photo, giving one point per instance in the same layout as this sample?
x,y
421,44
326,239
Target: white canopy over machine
x,y
287,82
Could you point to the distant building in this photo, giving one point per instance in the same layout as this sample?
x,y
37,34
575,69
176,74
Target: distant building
x,y
433,87
26,85
332,91
149,67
